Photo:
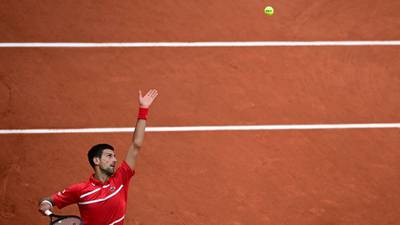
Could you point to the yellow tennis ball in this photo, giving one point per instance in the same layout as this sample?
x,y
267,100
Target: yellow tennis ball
x,y
269,11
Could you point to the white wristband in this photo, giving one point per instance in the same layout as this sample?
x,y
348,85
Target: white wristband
x,y
48,202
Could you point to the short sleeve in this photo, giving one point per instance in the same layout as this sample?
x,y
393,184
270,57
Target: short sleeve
x,y
124,173
66,197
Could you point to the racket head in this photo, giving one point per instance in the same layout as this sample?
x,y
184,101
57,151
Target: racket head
x,y
63,219
66,220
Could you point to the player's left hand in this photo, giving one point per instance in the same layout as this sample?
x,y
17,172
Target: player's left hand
x,y
145,101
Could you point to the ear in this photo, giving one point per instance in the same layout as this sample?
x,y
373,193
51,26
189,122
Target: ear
x,y
96,160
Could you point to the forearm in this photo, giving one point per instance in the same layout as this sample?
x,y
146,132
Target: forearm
x,y
137,142
138,135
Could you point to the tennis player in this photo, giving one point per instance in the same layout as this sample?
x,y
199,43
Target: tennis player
x,y
102,200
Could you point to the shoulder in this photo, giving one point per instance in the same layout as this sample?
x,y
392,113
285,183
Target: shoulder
x,y
81,185
124,168
78,187
124,171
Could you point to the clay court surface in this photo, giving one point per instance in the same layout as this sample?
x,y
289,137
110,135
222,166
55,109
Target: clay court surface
x,y
291,177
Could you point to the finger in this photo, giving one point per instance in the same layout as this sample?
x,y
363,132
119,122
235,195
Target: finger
x,y
140,93
148,93
154,93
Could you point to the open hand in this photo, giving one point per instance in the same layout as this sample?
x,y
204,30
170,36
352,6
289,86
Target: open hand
x,y
145,101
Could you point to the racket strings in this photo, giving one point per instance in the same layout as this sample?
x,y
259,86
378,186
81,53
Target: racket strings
x,y
68,221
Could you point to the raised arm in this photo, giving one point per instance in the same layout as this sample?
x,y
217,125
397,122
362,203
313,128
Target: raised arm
x,y
138,136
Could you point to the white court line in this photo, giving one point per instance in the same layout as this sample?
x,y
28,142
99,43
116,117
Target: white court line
x,y
199,44
207,128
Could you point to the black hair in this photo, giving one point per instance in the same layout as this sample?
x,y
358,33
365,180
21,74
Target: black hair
x,y
97,151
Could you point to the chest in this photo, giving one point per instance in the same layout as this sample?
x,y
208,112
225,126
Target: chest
x,y
109,195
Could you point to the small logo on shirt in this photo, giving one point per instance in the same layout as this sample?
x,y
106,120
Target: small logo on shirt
x,y
112,188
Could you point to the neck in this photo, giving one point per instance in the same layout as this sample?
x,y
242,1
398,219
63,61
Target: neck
x,y
101,176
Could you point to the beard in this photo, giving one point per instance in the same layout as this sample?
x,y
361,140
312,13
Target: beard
x,y
108,171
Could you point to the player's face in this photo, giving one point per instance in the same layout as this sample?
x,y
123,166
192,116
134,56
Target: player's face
x,y
108,161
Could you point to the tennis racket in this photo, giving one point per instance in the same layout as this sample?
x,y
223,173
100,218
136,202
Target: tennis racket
x,y
63,220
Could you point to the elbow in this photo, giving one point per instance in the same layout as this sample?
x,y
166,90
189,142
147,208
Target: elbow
x,y
137,145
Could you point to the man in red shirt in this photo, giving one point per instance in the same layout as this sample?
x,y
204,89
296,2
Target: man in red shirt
x,y
103,198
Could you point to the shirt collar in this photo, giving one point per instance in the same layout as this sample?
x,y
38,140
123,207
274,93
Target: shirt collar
x,y
96,182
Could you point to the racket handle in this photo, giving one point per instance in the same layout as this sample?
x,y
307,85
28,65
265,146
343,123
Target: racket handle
x,y
48,212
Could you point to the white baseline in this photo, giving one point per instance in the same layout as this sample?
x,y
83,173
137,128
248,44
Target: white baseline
x,y
206,128
197,44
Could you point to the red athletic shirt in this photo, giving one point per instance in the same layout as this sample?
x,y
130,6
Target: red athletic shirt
x,y
99,203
